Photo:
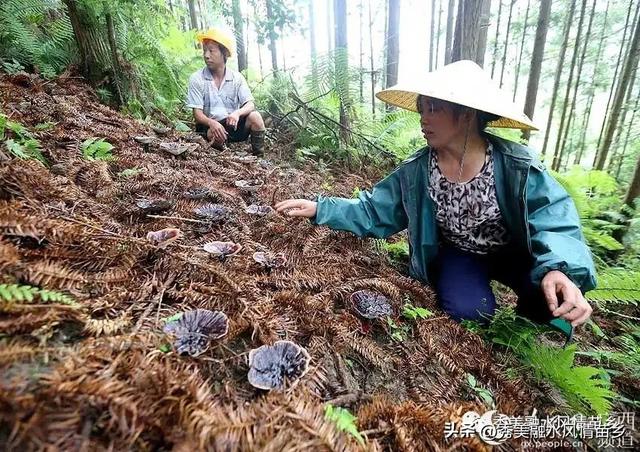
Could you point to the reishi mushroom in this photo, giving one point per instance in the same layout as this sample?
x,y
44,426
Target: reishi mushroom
x,y
277,365
195,330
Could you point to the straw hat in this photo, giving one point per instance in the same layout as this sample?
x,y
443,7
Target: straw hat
x,y
219,35
464,83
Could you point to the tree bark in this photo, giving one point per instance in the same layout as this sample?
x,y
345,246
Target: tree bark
x,y
115,61
592,90
626,139
371,62
438,33
466,44
506,42
193,15
86,42
495,44
630,63
557,152
361,53
556,84
432,32
634,187
393,43
340,8
524,35
238,25
449,33
272,38
485,20
613,83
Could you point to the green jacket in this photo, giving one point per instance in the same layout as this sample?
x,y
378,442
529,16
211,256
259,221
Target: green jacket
x,y
538,213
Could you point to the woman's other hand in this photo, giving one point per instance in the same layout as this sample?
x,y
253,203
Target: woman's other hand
x,y
574,307
297,207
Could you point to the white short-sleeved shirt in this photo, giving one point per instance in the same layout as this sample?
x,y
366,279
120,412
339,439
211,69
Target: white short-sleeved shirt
x,y
217,103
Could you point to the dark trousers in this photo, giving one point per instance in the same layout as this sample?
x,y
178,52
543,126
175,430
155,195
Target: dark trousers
x,y
461,281
241,133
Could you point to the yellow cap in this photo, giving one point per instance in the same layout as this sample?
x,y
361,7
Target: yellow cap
x,y
226,39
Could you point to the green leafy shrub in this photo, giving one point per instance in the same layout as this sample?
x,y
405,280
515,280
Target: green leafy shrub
x,y
21,144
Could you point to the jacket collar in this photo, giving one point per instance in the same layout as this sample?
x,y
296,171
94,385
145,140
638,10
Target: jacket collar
x,y
207,75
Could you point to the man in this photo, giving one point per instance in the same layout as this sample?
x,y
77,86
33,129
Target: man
x,y
220,97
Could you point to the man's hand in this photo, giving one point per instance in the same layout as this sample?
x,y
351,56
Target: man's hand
x,y
232,119
298,207
216,132
574,307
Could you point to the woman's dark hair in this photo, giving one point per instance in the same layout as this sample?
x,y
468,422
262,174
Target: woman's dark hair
x,y
482,117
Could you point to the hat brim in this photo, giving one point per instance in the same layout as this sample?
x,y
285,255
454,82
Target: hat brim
x,y
407,99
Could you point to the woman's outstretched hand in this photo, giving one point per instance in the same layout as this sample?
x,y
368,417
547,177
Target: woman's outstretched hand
x,y
574,307
297,207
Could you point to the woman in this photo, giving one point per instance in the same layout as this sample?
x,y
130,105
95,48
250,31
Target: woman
x,y
477,207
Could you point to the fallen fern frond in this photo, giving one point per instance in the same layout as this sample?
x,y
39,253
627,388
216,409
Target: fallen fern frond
x,y
14,292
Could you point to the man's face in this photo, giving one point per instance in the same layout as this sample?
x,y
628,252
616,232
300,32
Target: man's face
x,y
212,54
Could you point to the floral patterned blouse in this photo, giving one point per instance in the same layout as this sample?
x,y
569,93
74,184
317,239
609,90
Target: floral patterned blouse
x,y
467,213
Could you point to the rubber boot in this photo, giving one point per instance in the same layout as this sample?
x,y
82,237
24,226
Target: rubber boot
x,y
257,143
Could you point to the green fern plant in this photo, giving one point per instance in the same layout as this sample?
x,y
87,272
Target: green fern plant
x,y
22,145
21,293
617,285
345,421
97,149
585,388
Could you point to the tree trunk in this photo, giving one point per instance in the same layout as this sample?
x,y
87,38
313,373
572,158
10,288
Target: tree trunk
x,y
342,82
613,83
524,35
506,42
626,139
485,20
577,84
432,33
361,53
634,187
115,61
557,152
466,41
536,61
312,42
556,84
494,56
631,61
272,39
330,23
393,43
373,72
238,24
193,15
86,42
616,158
449,33
438,33
592,90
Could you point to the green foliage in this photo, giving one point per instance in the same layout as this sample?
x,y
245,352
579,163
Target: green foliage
x,y
129,172
22,145
398,251
413,313
485,394
345,421
14,292
36,34
585,388
399,332
617,285
96,149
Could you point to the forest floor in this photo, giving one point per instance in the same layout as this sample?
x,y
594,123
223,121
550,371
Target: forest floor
x,y
99,374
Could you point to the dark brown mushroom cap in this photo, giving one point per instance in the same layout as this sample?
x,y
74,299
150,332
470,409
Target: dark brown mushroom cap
x,y
274,366
269,260
249,185
154,206
195,329
222,249
197,193
261,211
213,212
370,304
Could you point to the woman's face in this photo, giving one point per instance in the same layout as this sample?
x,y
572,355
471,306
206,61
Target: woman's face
x,y
440,126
